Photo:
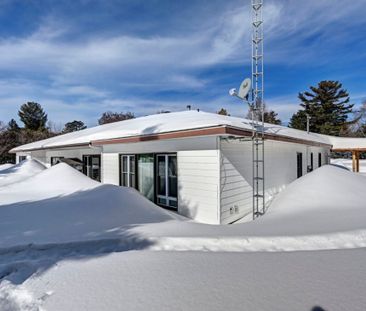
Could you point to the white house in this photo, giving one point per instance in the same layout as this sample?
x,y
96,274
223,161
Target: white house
x,y
189,161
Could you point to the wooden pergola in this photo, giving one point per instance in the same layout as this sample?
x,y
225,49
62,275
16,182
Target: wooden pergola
x,y
355,156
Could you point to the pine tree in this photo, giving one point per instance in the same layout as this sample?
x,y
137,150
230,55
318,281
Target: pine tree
x,y
269,116
73,126
223,112
328,107
33,116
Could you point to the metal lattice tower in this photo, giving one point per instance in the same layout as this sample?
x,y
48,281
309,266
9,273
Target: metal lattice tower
x,y
257,108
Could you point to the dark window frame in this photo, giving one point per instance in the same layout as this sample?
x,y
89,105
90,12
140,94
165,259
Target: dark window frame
x,y
154,154
299,164
52,159
90,157
319,159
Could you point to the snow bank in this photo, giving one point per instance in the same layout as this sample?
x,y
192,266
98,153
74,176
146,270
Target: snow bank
x,y
347,163
19,172
57,181
61,205
323,210
5,166
16,298
164,281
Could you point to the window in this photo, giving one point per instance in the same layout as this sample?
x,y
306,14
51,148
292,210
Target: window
x,y
56,160
91,166
167,186
299,164
128,170
319,159
22,158
311,167
145,175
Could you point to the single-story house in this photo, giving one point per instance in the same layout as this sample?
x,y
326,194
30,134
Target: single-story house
x,y
197,163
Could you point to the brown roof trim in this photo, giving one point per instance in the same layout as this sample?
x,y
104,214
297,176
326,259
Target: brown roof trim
x,y
217,130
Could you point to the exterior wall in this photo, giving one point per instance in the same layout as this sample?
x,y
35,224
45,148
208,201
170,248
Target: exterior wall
x,y
198,185
236,173
110,168
198,172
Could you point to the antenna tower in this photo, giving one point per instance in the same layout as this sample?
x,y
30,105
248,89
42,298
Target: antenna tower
x,y
257,109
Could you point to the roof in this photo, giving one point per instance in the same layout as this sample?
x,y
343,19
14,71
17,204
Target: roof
x,y
169,123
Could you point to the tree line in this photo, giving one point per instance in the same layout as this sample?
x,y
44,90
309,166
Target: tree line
x,y
36,127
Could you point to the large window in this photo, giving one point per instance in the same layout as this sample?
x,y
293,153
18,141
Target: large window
x,y
91,166
299,164
128,171
155,176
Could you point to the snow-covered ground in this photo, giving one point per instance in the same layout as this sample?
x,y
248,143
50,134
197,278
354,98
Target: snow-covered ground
x,y
69,243
348,164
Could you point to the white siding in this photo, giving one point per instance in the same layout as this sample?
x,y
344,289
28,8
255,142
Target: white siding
x,y
110,171
198,185
236,173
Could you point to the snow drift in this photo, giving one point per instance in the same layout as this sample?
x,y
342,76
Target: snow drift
x,y
5,166
61,205
19,172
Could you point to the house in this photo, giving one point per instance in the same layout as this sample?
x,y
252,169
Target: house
x,y
197,163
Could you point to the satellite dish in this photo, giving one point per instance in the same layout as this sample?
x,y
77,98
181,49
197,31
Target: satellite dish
x,y
244,88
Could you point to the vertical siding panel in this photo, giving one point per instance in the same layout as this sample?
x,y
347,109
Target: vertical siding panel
x,y
198,198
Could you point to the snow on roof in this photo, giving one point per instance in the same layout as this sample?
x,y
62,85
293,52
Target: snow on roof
x,y
165,123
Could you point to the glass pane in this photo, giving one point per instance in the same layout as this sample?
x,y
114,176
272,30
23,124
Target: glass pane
x,y
173,187
124,164
124,180
162,201
132,164
132,181
145,175
173,203
161,176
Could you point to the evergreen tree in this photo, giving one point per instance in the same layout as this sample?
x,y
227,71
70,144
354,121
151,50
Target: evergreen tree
x,y
223,112
328,107
13,126
33,116
73,126
271,117
110,117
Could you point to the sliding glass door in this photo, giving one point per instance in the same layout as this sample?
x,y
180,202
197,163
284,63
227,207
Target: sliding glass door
x,y
167,186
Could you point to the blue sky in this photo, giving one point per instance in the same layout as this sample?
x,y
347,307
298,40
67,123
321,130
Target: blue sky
x,y
81,58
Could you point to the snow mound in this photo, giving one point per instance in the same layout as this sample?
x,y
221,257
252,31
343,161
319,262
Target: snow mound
x,y
61,205
5,166
19,172
57,181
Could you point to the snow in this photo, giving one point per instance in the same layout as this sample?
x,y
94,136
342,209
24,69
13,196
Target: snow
x,y
5,166
164,123
19,172
142,280
61,205
70,243
347,163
